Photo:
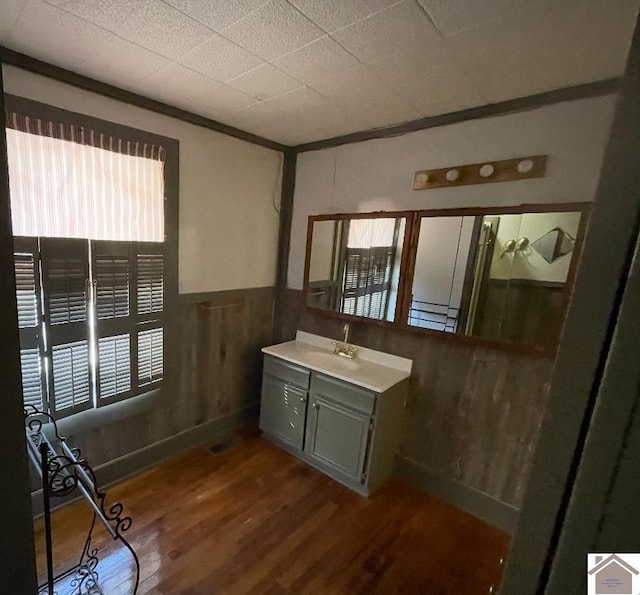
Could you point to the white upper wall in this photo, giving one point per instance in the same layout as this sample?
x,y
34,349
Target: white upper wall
x,y
378,174
228,234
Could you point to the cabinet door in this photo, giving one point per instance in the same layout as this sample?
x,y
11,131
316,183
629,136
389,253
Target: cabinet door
x,y
337,437
283,410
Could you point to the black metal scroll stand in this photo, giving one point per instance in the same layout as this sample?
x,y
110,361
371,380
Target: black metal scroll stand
x,y
63,470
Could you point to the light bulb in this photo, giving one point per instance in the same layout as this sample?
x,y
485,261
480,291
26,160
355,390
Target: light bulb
x,y
525,166
487,170
452,175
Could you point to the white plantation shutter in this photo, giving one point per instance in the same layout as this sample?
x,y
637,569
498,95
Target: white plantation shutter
x,y
26,297
129,303
32,378
70,377
114,371
150,313
113,278
111,274
150,356
65,274
29,321
150,293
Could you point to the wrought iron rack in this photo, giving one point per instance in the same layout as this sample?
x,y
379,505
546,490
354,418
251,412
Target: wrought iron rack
x,y
63,471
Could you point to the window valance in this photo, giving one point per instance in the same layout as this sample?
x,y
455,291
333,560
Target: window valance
x,y
72,182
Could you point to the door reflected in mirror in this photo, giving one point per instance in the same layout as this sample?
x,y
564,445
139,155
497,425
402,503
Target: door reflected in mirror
x,y
354,266
498,277
442,259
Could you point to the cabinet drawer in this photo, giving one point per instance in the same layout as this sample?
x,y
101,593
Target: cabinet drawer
x,y
286,371
341,392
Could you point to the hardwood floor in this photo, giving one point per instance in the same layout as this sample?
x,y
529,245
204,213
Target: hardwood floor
x,y
254,520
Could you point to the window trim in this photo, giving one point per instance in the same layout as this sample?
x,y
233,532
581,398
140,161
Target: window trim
x,y
170,325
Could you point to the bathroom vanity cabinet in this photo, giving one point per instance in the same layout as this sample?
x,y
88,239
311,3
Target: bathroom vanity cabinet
x,y
347,431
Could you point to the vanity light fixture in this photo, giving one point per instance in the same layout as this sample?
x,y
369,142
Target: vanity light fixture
x,y
484,172
487,170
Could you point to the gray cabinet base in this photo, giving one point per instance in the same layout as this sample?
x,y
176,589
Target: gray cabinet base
x,y
326,469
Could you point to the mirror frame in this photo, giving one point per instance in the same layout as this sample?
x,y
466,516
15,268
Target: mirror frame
x,y
408,260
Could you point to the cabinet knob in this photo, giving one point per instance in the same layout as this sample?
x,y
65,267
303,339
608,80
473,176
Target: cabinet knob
x,y
316,406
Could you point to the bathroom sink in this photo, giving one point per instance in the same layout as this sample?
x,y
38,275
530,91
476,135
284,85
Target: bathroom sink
x,y
372,370
331,360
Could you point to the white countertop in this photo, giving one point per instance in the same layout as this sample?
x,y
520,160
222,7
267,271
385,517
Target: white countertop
x,y
370,369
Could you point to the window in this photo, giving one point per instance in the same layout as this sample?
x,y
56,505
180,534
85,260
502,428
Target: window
x,y
369,258
92,262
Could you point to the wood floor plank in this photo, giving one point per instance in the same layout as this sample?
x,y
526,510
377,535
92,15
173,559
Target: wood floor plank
x,y
254,520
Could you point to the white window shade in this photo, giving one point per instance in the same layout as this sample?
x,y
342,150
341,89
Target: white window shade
x,y
61,188
369,233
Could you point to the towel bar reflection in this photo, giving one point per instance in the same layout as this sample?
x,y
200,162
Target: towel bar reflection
x,y
209,306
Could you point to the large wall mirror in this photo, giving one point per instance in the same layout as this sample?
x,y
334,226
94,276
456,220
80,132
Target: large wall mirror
x,y
354,266
498,275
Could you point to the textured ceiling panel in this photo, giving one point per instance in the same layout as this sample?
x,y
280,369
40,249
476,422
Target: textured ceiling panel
x,y
11,10
336,14
261,118
403,27
329,119
450,16
275,29
426,80
319,59
198,93
106,13
264,82
301,70
220,59
401,68
119,61
40,29
303,100
162,29
547,45
217,14
359,91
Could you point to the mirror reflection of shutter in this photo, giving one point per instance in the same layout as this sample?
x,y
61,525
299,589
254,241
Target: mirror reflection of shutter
x,y
149,297
381,262
65,274
354,281
363,277
115,324
29,321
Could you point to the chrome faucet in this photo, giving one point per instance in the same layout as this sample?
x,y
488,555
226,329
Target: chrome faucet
x,y
342,348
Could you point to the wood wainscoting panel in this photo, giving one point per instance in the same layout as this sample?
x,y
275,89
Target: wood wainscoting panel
x,y
255,520
218,373
289,305
473,413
